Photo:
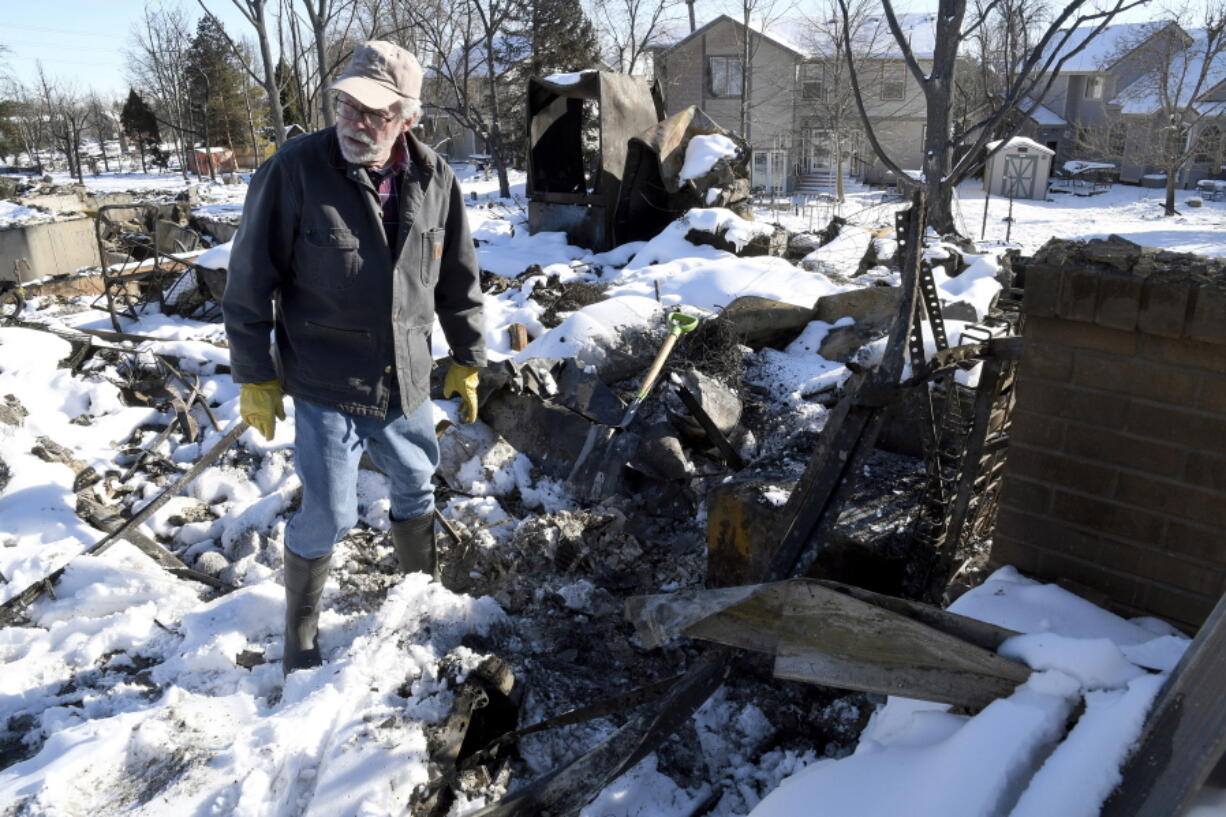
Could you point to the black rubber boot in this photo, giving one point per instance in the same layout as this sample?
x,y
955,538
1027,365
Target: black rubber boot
x,y
304,584
413,540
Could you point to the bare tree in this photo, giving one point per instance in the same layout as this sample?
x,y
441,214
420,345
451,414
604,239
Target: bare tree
x,y
102,119
1167,116
756,16
254,12
824,85
1002,44
31,123
464,82
67,115
158,65
628,27
323,14
1067,34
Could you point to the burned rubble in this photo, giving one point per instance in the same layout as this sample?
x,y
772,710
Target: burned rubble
x,y
713,474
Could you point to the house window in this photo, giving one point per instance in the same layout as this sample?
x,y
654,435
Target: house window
x,y
1207,145
727,78
1117,139
812,81
893,80
1094,87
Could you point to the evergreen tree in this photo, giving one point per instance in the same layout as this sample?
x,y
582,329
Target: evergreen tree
x,y
546,37
216,86
562,37
141,127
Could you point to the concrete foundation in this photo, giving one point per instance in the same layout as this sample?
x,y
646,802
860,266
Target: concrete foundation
x,y
51,248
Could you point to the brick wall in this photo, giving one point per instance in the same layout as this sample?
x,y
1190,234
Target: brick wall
x,y
1117,466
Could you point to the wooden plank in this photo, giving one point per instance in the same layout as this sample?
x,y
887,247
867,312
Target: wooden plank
x,y
1185,735
977,632
519,336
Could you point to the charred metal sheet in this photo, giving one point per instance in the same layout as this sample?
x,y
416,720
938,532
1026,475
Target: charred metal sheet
x,y
652,191
819,634
573,178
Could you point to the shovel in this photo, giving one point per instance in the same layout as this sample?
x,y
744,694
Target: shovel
x,y
591,477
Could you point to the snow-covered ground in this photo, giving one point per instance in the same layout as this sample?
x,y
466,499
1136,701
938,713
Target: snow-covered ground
x,y
128,694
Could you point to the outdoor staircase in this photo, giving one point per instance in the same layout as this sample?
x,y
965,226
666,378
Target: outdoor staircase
x,y
822,183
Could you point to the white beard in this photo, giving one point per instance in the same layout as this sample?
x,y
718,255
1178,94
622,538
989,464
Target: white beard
x,y
374,150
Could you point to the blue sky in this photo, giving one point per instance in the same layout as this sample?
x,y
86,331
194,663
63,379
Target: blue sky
x,y
83,41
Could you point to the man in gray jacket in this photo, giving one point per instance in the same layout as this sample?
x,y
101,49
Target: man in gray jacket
x,y
352,239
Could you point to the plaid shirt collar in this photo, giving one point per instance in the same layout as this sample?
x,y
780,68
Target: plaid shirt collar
x,y
399,163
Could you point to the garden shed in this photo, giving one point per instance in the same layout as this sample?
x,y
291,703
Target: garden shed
x,y
1019,170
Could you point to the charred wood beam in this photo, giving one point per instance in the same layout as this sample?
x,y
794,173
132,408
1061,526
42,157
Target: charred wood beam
x,y
11,610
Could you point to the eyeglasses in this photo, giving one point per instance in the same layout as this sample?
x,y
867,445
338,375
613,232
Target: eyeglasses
x,y
375,119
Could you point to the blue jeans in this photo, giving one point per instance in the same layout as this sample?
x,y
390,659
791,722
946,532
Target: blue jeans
x,y
328,445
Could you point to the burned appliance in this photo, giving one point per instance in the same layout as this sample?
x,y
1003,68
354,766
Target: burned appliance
x,y
579,126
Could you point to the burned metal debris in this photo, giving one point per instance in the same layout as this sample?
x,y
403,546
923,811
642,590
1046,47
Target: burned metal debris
x,y
577,151
604,168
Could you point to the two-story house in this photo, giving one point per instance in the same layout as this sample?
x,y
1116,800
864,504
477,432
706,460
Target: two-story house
x,y
1104,104
793,100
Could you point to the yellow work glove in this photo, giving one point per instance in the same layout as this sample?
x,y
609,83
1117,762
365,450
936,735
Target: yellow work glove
x,y
260,406
462,380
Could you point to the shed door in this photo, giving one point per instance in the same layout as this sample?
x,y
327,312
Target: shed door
x,y
1019,176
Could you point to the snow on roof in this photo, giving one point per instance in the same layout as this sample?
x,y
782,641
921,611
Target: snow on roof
x,y
1042,115
1144,95
570,78
1105,48
1022,142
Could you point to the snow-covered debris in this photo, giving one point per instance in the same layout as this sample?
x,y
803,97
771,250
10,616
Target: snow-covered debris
x,y
13,214
590,335
703,152
917,758
215,257
720,220
843,255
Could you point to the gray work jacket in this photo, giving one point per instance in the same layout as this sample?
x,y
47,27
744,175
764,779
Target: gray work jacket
x,y
347,318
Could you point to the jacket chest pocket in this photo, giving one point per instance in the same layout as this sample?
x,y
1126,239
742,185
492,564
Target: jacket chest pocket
x,y
431,255
330,257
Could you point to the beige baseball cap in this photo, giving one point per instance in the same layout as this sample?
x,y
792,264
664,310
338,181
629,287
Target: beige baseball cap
x,y
379,74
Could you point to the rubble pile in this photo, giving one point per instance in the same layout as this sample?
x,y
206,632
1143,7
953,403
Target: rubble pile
x,y
707,474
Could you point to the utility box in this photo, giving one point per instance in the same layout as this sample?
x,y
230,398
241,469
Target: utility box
x,y
1019,170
